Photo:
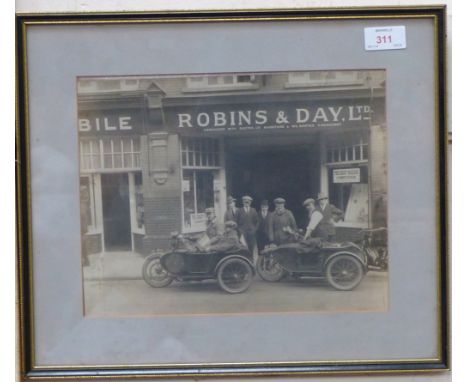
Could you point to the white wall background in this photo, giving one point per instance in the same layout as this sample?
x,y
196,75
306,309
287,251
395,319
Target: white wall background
x,y
28,6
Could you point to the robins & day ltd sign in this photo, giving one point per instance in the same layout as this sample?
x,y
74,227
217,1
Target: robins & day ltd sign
x,y
266,116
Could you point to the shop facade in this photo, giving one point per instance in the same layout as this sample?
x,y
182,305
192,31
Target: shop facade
x,y
152,159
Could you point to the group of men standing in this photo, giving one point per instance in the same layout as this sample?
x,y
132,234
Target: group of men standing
x,y
259,229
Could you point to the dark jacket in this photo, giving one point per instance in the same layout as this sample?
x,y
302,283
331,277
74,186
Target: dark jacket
x,y
326,227
231,215
279,221
263,224
247,222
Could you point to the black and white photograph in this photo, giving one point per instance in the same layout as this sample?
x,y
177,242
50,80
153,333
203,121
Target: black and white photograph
x,y
233,193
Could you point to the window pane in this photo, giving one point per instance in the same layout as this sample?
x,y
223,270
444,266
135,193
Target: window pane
x,y
205,192
107,146
96,162
107,160
118,161
136,145
85,147
212,80
228,80
342,155
127,145
365,152
95,147
136,160
128,160
85,162
357,152
246,78
117,143
350,153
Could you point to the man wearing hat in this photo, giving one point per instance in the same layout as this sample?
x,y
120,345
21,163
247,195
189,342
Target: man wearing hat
x,y
263,226
232,211
247,222
228,241
213,228
280,219
326,227
315,217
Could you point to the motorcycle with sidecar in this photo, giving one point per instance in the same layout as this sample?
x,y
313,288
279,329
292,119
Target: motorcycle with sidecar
x,y
189,261
342,265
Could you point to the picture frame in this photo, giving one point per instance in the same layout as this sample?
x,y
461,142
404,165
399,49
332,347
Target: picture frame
x,y
196,69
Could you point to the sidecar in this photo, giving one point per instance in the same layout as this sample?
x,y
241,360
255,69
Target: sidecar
x,y
343,265
233,270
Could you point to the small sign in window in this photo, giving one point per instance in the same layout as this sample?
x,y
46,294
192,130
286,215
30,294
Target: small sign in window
x,y
347,175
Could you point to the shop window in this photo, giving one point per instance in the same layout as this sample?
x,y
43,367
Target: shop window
x,y
87,204
110,154
200,153
200,165
349,191
198,194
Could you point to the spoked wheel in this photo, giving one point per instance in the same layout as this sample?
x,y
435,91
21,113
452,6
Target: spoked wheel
x,y
269,269
344,272
235,275
154,273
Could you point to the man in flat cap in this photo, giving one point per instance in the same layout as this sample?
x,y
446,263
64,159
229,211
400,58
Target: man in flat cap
x,y
326,228
315,217
247,222
281,220
263,226
229,241
213,228
232,211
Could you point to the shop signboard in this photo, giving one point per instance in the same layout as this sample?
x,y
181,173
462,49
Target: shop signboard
x,y
347,175
110,122
265,115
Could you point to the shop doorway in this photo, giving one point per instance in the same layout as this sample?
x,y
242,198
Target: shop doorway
x,y
116,212
268,173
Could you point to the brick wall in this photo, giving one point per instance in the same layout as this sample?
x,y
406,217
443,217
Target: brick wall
x,y
162,216
93,243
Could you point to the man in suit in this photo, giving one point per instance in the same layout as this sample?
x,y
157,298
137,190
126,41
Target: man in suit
x,y
280,220
247,222
232,211
326,228
263,226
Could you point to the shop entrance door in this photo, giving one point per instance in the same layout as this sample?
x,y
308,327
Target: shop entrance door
x,y
270,173
116,212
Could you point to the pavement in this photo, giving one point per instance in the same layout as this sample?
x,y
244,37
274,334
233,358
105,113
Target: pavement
x,y
114,266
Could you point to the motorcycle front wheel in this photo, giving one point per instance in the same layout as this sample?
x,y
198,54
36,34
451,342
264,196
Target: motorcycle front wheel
x,y
154,273
269,269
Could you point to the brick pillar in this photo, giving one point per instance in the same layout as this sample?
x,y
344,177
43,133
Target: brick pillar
x,y
162,190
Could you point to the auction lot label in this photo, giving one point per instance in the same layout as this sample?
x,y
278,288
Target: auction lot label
x,y
385,38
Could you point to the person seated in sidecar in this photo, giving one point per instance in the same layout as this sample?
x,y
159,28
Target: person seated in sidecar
x,y
213,227
229,241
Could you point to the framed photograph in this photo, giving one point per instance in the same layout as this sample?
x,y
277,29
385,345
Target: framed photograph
x,y
235,193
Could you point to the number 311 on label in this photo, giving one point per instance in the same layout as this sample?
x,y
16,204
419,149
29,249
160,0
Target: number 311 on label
x,y
384,38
